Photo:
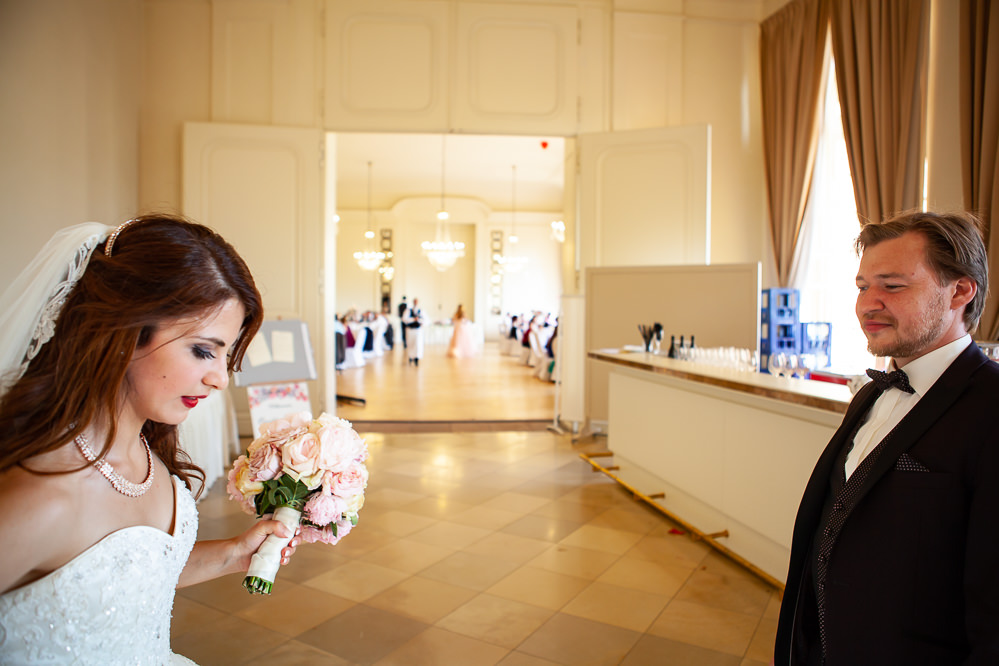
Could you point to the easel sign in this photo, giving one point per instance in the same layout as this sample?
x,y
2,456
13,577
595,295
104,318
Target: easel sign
x,y
270,402
277,364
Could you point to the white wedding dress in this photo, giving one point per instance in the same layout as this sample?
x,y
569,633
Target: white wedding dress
x,y
110,605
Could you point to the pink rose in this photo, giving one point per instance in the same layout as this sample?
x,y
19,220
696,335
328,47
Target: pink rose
x,y
323,509
241,486
340,447
350,482
301,456
266,460
311,534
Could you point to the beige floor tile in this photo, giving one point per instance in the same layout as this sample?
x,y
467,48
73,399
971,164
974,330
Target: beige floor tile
x,y
363,634
618,606
437,506
705,626
226,593
421,599
570,510
605,539
362,540
311,560
566,639
516,502
294,653
544,528
400,523
509,547
295,609
471,570
638,519
659,578
724,584
450,535
761,648
189,614
539,587
407,555
357,581
675,549
655,651
438,646
230,640
485,517
582,562
516,658
499,621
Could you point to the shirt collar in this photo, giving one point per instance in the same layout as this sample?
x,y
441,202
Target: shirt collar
x,y
926,370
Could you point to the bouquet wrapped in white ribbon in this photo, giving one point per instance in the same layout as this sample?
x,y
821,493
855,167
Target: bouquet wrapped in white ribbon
x,y
303,471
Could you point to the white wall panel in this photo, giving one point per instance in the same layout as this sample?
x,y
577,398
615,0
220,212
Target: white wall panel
x,y
648,71
515,68
386,65
264,61
645,197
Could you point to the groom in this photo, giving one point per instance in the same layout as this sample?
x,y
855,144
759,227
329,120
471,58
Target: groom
x,y
895,552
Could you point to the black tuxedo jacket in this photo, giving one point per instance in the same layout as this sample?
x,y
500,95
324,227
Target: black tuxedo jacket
x,y
913,575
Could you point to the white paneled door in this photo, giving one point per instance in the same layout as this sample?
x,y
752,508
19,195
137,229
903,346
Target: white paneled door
x,y
261,188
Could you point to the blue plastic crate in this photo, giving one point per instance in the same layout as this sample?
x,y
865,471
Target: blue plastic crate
x,y
816,339
779,327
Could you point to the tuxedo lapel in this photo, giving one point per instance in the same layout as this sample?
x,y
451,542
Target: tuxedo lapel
x,y
944,392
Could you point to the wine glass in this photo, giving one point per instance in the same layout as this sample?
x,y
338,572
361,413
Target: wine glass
x,y
776,364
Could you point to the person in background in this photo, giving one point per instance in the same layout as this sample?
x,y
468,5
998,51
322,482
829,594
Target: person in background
x,y
894,550
462,343
413,320
403,307
107,342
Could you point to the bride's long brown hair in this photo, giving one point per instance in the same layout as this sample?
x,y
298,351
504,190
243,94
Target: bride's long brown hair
x,y
162,268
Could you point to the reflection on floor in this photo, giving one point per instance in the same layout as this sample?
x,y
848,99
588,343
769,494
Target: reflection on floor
x,y
485,548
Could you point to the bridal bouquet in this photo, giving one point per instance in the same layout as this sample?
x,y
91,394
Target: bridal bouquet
x,y
304,471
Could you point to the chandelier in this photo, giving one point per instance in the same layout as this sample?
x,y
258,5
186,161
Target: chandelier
x,y
442,252
509,263
369,259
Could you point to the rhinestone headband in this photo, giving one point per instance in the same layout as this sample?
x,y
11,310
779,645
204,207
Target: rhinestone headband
x,y
114,236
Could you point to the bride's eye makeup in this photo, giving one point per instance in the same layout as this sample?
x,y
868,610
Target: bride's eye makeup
x,y
202,353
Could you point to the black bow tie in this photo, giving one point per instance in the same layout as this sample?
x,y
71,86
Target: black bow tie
x,y
888,380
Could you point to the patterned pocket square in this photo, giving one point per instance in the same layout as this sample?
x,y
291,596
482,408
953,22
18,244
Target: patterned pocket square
x,y
907,463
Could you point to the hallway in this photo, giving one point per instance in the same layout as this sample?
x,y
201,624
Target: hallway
x,y
479,545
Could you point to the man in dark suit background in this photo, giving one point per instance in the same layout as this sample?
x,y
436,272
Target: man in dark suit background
x,y
403,306
895,552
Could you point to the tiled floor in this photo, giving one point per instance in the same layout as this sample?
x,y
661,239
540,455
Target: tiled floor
x,y
485,547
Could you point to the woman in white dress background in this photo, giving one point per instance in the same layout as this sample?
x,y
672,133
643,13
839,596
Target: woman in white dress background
x,y
107,341
462,343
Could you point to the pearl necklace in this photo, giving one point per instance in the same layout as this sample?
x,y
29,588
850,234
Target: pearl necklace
x,y
120,483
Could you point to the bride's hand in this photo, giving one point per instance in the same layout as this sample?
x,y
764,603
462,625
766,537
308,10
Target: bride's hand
x,y
250,540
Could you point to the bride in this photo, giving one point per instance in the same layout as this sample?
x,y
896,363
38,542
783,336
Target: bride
x,y
107,342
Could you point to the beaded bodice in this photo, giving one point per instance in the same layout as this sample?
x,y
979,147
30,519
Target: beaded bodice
x,y
109,605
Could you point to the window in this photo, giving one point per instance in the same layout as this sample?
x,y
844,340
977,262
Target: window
x,y
828,267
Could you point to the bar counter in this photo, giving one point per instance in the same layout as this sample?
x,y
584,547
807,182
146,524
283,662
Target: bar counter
x,y
725,453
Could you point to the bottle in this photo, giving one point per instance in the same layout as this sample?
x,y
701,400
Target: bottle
x,y
681,351
672,347
691,342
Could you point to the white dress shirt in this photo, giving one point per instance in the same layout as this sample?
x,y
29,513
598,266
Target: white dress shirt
x,y
892,405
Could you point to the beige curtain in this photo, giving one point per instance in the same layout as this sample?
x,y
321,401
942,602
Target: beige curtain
x,y
792,43
979,76
879,48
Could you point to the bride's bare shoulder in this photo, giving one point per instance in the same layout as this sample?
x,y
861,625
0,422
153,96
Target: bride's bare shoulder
x,y
32,492
39,512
